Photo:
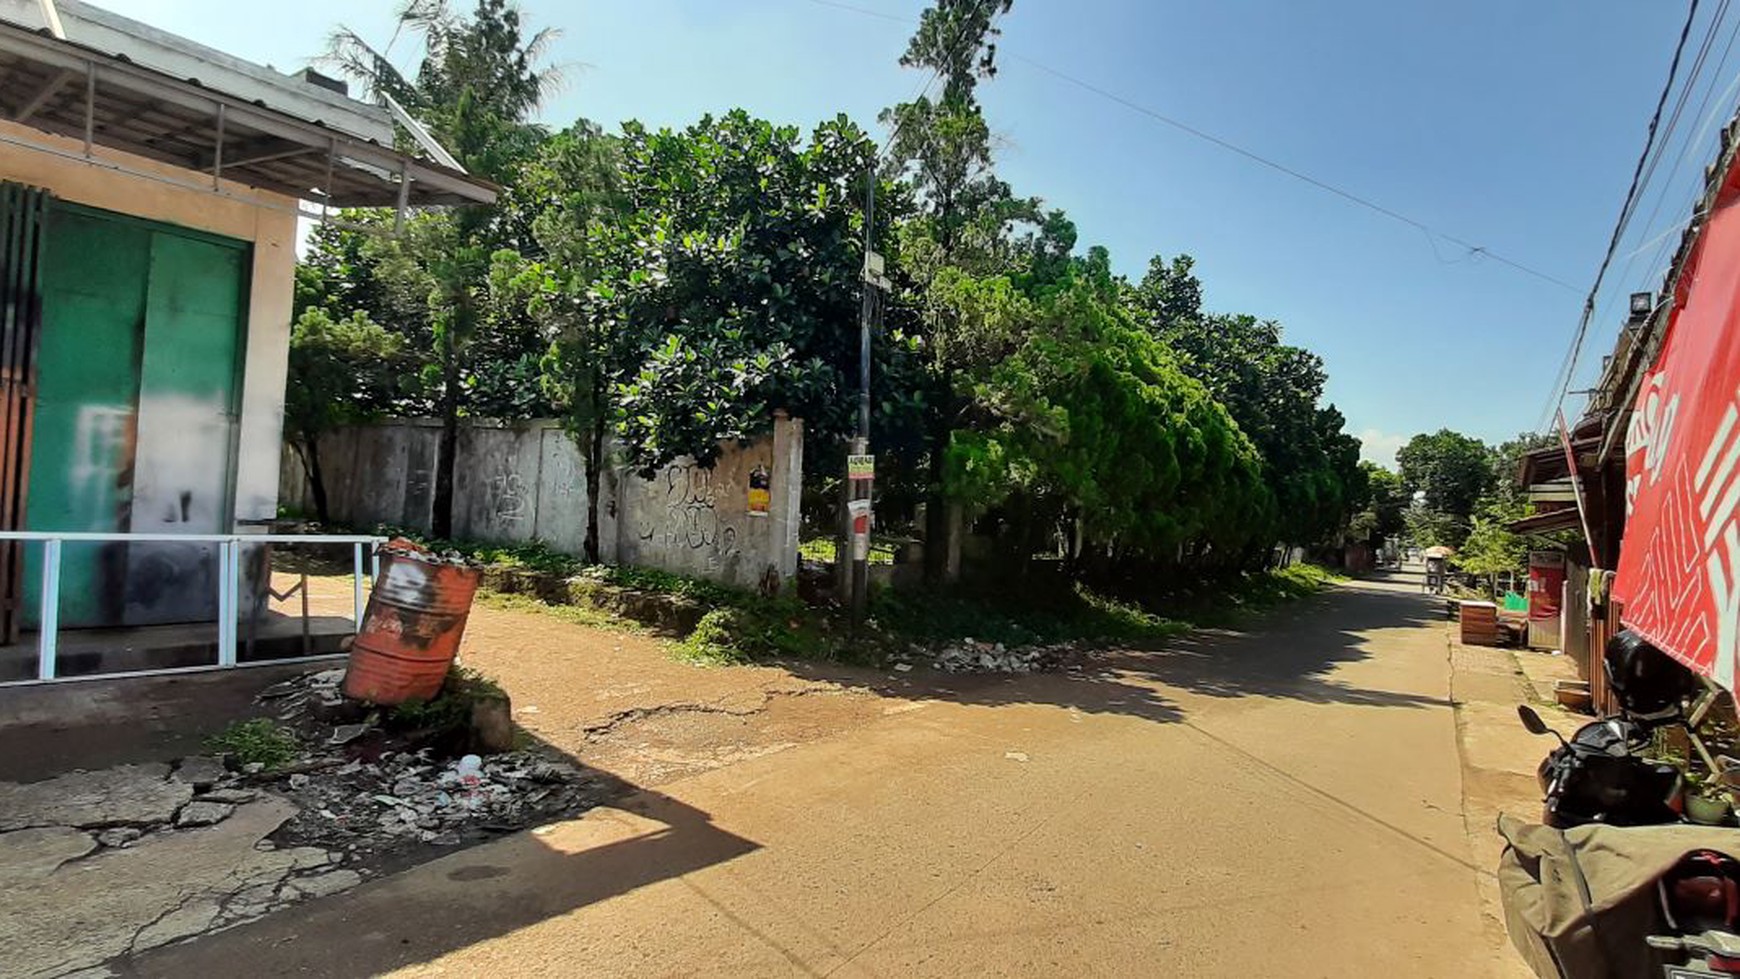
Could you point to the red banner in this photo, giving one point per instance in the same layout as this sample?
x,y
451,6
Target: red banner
x,y
1679,567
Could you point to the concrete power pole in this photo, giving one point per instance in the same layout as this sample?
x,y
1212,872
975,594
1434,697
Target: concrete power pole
x,y
861,465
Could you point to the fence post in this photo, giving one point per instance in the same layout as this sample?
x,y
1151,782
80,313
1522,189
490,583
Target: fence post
x,y
356,579
227,593
48,639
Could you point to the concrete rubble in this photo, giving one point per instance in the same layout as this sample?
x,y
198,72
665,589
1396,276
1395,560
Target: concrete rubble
x,y
100,864
407,799
972,656
367,793
72,899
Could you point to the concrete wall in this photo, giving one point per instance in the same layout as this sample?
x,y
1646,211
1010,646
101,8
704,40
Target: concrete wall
x,y
264,219
525,482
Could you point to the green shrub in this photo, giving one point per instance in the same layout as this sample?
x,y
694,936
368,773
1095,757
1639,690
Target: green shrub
x,y
257,741
449,709
758,629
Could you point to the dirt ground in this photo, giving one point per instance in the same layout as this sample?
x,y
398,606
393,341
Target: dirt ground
x,y
1314,793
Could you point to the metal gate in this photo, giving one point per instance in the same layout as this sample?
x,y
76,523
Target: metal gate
x,y
22,219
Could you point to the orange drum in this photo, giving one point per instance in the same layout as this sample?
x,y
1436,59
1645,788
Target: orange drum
x,y
410,630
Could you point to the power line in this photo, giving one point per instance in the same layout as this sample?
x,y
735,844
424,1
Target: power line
x,y
1563,379
1471,249
868,12
1703,120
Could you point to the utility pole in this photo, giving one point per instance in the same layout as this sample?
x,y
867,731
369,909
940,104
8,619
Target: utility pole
x,y
861,465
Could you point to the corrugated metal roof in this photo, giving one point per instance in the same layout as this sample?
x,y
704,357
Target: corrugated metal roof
x,y
127,86
141,44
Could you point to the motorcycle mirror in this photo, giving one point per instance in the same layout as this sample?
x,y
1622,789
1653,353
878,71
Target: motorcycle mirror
x,y
1533,722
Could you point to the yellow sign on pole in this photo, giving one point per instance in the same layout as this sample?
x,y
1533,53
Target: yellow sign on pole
x,y
861,467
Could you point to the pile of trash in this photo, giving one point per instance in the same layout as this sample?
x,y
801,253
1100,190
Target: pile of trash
x,y
971,656
400,547
403,799
367,781
304,696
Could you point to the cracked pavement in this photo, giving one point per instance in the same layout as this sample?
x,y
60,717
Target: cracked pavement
x,y
1287,801
67,905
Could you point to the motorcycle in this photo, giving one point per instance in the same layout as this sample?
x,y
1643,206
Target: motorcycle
x,y
1656,897
1598,776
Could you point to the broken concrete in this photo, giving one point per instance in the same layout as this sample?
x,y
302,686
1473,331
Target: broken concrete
x,y
324,885
202,814
32,854
971,656
126,795
201,771
234,797
119,836
66,905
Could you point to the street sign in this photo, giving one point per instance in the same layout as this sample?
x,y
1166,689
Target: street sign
x,y
861,467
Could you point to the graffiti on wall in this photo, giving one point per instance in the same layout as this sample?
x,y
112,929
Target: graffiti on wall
x,y
690,514
507,495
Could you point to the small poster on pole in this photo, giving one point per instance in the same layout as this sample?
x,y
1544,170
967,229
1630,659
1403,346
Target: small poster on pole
x,y
859,510
860,467
760,491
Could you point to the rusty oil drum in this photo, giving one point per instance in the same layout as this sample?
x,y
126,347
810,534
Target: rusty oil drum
x,y
411,629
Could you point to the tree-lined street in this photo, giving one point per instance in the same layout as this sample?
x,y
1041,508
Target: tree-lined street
x,y
1287,801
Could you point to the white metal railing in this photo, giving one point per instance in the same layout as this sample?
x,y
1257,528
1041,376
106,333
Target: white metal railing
x,y
228,579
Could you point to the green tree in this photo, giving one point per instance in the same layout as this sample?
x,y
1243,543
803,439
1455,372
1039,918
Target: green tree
x,y
741,276
1084,420
581,227
1454,471
944,147
478,83
1378,511
1271,389
342,371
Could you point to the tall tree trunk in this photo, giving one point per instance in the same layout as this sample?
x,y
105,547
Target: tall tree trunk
x,y
1023,535
309,449
594,467
441,520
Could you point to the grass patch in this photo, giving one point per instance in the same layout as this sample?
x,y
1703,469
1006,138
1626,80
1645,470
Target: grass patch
x,y
581,615
1078,614
743,627
760,629
259,741
1230,602
824,549
450,709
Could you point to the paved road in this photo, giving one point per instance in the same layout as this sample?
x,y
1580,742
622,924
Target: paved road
x,y
1283,803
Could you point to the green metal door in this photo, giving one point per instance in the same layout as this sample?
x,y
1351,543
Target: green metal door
x,y
135,424
186,428
93,316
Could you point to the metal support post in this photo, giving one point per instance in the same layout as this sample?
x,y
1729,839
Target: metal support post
x,y
226,603
356,580
49,636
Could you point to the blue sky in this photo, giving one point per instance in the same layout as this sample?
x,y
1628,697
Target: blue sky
x,y
1514,126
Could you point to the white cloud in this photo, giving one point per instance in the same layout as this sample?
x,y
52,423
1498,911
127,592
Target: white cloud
x,y
1380,447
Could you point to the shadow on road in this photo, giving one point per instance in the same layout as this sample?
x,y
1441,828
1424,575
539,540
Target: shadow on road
x,y
648,837
639,838
1292,653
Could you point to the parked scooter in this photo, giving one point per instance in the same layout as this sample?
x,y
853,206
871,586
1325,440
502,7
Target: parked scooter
x,y
1640,901
1598,776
